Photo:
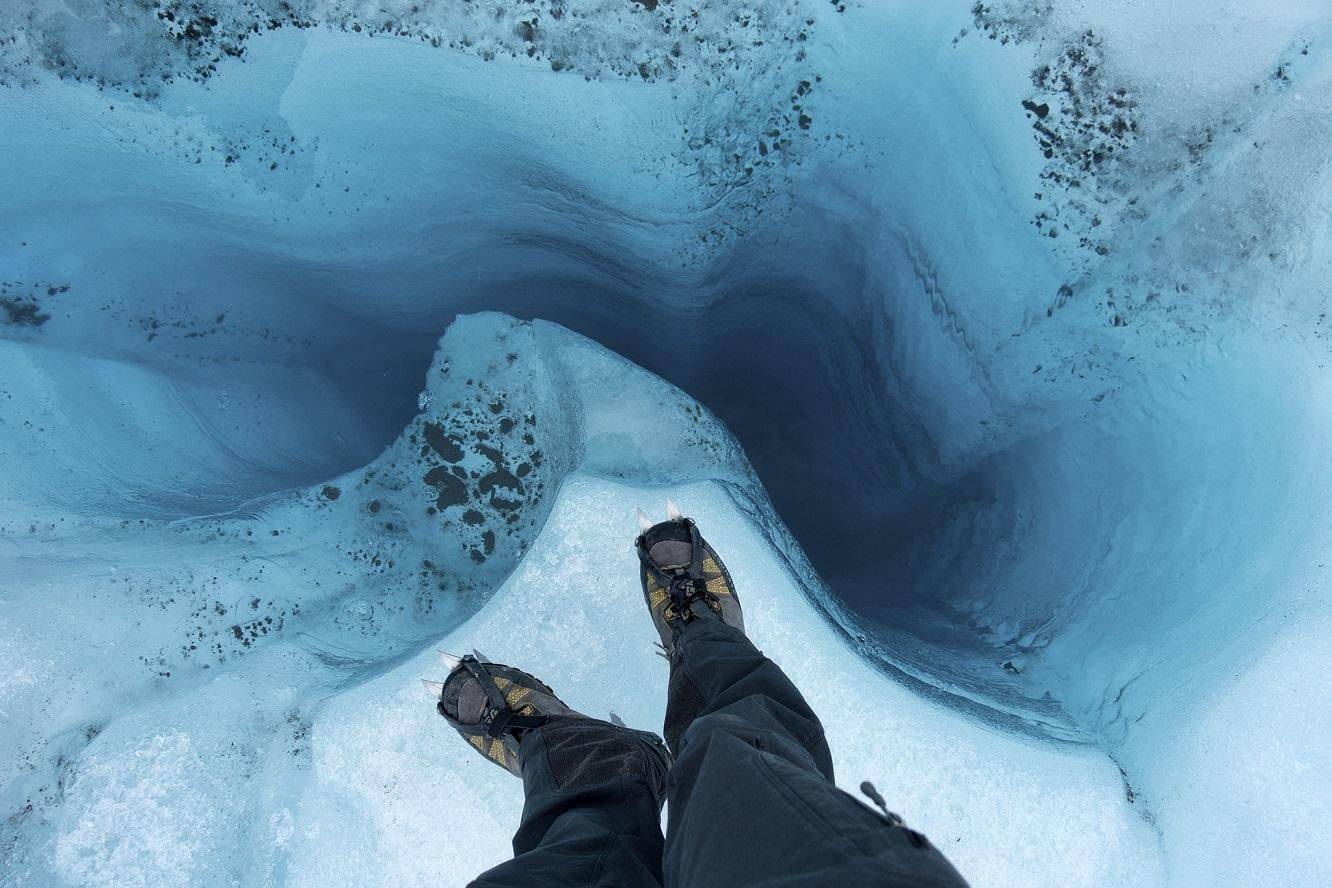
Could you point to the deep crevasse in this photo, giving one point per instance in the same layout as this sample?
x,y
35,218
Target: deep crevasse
x,y
262,775
1040,388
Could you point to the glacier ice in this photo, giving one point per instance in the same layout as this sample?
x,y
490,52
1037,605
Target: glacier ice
x,y
1018,311
311,758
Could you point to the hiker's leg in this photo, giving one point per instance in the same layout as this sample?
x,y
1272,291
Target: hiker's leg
x,y
752,800
593,809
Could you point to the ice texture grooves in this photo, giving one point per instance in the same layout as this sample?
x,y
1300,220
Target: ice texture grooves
x,y
1018,311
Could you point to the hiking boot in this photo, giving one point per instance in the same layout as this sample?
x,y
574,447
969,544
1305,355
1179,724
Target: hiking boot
x,y
683,578
492,706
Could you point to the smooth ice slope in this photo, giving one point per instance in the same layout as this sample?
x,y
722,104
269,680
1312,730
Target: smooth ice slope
x,y
1019,310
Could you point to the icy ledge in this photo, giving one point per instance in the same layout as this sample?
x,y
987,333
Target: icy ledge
x,y
236,699
388,780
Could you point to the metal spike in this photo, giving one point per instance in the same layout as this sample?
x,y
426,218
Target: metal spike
x,y
480,656
616,720
672,510
434,688
450,662
644,522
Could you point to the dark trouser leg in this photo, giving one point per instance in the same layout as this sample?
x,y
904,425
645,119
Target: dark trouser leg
x,y
593,809
752,800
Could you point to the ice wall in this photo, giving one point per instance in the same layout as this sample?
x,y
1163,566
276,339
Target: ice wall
x,y
1017,309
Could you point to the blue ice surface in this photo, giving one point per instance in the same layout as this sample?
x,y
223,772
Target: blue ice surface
x,y
1033,403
